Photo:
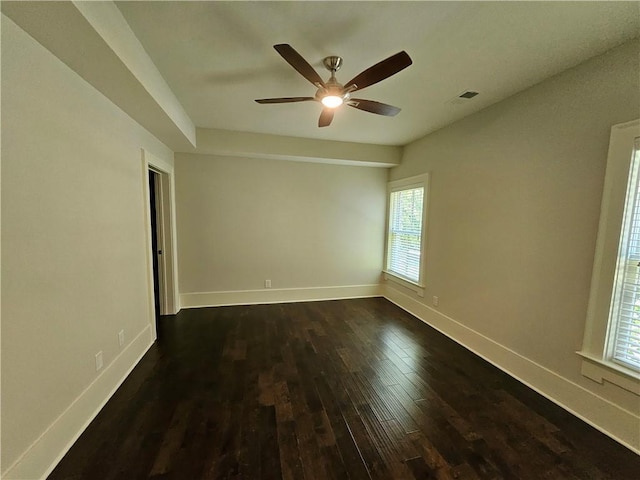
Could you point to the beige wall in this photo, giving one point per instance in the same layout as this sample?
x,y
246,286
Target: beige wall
x,y
302,225
514,208
74,269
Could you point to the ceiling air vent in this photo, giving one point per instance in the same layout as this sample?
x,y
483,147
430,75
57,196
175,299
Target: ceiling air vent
x,y
468,94
461,98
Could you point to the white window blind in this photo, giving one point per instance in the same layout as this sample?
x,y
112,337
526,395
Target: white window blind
x,y
624,321
405,232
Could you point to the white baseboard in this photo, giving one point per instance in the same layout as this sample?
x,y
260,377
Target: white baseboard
x,y
280,295
39,460
612,420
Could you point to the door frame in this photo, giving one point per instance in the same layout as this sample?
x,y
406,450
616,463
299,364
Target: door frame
x,y
167,239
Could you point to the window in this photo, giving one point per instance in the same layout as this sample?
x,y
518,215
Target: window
x,y
624,318
611,347
405,229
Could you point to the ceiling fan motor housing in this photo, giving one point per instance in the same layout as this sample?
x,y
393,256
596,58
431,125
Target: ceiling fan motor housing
x,y
333,90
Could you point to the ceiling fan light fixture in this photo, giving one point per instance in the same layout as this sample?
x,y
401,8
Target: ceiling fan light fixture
x,y
332,101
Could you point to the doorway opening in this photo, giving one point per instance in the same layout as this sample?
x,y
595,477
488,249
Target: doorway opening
x,y
162,271
154,204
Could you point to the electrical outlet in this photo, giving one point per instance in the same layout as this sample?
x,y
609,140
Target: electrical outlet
x,y
121,338
99,361
436,301
267,284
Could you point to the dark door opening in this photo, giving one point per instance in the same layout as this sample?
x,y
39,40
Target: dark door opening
x,y
153,186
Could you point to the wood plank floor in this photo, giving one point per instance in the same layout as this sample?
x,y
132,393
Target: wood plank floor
x,y
350,389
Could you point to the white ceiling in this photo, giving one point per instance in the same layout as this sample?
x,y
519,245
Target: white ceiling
x,y
217,57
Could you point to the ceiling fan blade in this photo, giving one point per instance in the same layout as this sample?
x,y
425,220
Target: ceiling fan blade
x,y
325,117
285,100
380,71
300,64
373,107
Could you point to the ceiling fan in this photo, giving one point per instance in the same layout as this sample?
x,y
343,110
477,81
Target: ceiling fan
x,y
333,94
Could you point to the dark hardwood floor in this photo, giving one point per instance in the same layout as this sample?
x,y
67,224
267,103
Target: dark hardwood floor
x,y
350,389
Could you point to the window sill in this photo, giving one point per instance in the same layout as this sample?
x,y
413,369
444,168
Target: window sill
x,y
416,287
600,370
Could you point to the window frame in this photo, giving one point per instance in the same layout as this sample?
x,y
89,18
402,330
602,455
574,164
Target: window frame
x,y
597,363
418,181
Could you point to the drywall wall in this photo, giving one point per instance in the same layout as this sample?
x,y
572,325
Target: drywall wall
x,y
98,44
301,225
277,147
74,243
513,216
